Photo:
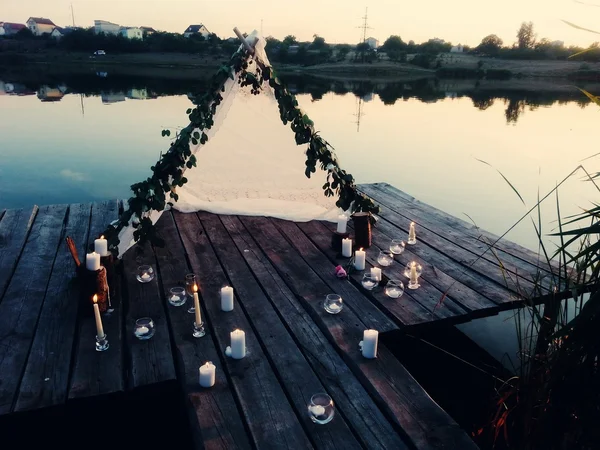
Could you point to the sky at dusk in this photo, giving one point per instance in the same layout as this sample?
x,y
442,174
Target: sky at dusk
x,y
457,21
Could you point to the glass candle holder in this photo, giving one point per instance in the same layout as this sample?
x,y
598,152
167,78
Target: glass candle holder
x,y
144,328
145,274
333,304
321,409
190,280
101,343
413,271
177,296
397,246
418,269
394,288
385,258
369,281
198,330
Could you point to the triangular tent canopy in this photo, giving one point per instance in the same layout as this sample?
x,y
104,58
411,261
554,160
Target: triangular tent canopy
x,y
238,158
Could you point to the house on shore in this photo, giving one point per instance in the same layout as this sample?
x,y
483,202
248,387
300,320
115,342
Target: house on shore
x,y
457,49
40,25
106,27
10,29
148,30
60,32
132,33
372,43
196,30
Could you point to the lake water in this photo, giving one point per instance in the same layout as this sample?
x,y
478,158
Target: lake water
x,y
87,139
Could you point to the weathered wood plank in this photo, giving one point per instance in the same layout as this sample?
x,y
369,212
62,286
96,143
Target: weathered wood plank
x,y
393,388
97,373
216,420
2,211
46,379
368,423
257,388
14,230
280,347
23,299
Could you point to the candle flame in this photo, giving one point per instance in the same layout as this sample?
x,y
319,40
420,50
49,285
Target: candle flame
x,y
361,249
95,298
102,237
195,288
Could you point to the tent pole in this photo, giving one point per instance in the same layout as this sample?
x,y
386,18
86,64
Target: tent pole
x,y
244,41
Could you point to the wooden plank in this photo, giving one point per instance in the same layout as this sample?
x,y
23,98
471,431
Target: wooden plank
x,y
294,371
14,229
389,383
216,420
23,299
368,423
2,211
257,388
46,379
97,373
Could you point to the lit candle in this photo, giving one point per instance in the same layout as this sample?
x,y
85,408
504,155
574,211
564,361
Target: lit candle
x,y
376,273
359,259
342,223
347,247
101,246
92,261
197,310
238,344
99,327
207,374
227,299
412,235
414,278
369,343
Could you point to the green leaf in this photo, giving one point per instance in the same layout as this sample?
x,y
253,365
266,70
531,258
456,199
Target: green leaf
x,y
196,135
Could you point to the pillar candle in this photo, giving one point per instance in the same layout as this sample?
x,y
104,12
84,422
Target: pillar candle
x,y
238,344
99,327
376,273
101,246
369,346
207,373
227,298
342,222
197,309
347,247
412,235
359,259
92,261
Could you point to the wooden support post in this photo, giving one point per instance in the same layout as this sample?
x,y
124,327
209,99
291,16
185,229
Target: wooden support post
x,y
245,43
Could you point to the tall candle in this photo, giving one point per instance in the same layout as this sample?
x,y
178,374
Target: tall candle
x,y
99,327
197,310
414,278
369,345
347,247
92,261
238,344
359,259
227,299
376,273
101,246
206,374
342,222
412,235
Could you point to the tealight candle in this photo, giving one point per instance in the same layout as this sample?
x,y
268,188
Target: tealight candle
x,y
369,343
92,261
101,246
359,259
238,344
342,223
227,299
376,273
346,247
207,375
99,327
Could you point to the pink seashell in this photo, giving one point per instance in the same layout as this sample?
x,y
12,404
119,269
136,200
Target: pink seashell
x,y
341,273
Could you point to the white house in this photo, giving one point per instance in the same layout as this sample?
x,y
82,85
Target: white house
x,y
40,25
59,32
132,32
373,43
457,49
103,26
8,28
196,29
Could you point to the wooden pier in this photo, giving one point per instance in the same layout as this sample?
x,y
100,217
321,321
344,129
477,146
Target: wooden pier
x,y
55,388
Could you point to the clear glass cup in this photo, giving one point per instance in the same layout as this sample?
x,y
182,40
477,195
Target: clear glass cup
x,y
385,258
321,409
333,303
177,296
397,246
144,328
394,288
369,281
418,268
145,274
190,280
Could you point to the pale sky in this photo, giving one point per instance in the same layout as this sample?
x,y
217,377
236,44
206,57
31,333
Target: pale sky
x,y
457,21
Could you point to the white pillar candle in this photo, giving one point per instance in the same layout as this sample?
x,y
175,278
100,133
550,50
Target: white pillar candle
x,y
101,246
376,273
227,299
99,327
359,259
92,261
347,247
412,235
369,345
342,222
414,278
197,309
238,344
207,375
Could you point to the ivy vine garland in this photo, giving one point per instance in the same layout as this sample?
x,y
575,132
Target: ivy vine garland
x,y
167,174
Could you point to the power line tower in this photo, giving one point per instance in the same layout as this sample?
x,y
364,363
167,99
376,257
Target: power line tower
x,y
72,15
360,113
365,25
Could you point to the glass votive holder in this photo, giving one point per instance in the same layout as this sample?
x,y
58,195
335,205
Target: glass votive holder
x,y
190,281
145,274
177,296
385,258
418,269
333,303
144,328
321,409
397,246
394,288
369,281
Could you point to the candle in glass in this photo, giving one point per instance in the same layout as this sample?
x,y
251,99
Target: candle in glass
x,y
369,343
101,246
227,298
92,261
99,327
412,235
197,306
376,273
238,344
359,259
342,223
347,247
207,375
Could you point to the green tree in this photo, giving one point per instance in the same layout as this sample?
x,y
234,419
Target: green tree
x,y
526,36
490,45
342,51
318,43
361,50
394,47
290,40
